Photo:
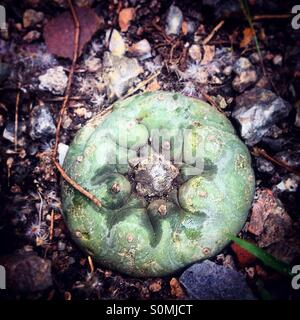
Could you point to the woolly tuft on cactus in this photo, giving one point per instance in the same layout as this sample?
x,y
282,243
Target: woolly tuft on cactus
x,y
173,179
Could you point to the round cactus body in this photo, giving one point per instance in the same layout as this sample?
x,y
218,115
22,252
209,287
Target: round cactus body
x,y
173,179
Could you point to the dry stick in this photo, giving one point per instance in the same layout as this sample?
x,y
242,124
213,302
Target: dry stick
x,y
262,153
16,120
213,32
64,106
141,84
91,264
211,101
174,46
71,73
271,17
59,99
51,232
75,185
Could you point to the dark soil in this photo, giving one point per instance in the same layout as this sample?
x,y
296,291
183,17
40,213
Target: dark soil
x,y
29,185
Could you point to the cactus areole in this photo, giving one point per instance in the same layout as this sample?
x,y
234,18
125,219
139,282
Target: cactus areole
x,y
173,178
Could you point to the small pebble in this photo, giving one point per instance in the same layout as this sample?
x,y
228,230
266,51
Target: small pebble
x,y
61,246
254,58
141,49
9,132
188,27
32,36
174,20
244,80
289,183
32,17
41,123
264,165
228,70
241,65
80,112
277,60
195,52
117,44
62,152
54,80
126,15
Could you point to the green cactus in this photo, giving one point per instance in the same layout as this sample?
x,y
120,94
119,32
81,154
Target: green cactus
x,y
173,179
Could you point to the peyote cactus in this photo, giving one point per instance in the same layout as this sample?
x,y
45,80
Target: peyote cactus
x,y
173,179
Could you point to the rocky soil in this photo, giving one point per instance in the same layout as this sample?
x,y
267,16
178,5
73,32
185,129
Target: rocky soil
x,y
205,49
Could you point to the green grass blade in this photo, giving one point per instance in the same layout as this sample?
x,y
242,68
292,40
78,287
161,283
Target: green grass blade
x,y
264,256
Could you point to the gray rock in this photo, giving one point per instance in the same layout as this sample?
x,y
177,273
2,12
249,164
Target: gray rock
x,y
27,273
141,49
244,80
174,20
54,80
9,132
119,73
41,123
242,64
209,281
264,165
246,75
256,111
254,57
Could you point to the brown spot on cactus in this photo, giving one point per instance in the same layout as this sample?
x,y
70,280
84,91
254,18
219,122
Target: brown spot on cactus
x,y
130,238
206,251
170,192
115,188
162,209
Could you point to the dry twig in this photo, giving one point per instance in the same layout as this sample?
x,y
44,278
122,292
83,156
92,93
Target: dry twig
x,y
64,107
16,120
51,231
71,73
75,185
91,264
213,32
258,152
59,99
141,84
271,17
211,101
